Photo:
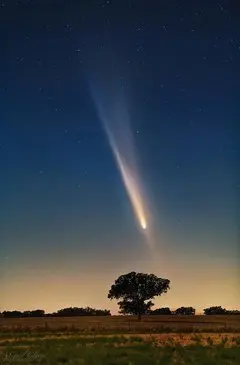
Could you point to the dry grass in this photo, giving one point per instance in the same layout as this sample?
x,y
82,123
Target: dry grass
x,y
83,341
168,349
163,339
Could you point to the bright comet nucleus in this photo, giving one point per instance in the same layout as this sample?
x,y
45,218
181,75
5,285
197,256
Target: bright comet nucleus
x,y
144,225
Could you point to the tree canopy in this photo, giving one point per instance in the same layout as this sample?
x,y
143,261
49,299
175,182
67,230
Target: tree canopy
x,y
185,311
161,311
135,289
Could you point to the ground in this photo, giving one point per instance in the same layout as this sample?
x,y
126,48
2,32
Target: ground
x,y
121,340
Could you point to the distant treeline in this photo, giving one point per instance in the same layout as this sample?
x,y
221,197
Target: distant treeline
x,y
78,312
66,312
190,311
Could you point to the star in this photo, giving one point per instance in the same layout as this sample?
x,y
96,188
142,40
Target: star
x,y
20,59
140,27
69,27
139,48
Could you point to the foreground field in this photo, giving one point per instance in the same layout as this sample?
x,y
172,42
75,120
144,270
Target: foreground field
x,y
118,340
120,350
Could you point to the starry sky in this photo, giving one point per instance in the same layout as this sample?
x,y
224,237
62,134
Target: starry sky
x,y
67,228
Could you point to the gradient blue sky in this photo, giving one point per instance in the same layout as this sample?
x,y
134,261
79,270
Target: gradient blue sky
x,y
67,229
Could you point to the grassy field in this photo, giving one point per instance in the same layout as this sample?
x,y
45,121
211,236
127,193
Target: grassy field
x,y
123,324
121,340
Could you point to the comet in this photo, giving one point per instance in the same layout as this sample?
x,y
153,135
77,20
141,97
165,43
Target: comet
x,y
132,189
116,121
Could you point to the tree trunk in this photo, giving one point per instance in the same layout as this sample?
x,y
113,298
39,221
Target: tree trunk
x,y
139,310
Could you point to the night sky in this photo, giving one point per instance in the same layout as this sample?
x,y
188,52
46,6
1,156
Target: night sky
x,y
67,227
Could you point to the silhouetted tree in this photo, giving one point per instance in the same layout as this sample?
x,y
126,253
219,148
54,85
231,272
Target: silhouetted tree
x,y
185,311
161,311
12,314
37,313
103,312
214,311
18,314
26,314
76,312
34,313
66,312
233,312
135,289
